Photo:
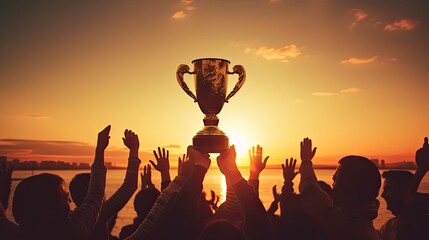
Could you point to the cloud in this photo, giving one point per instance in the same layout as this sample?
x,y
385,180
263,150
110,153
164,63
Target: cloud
x,y
359,60
401,25
273,1
351,90
324,94
287,51
37,116
359,15
179,15
172,146
344,91
187,2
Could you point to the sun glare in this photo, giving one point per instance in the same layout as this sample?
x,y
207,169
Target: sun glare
x,y
242,147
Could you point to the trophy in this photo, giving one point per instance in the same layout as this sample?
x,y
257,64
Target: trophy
x,y
211,81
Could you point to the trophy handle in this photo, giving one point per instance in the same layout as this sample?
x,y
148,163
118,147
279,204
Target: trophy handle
x,y
182,69
241,79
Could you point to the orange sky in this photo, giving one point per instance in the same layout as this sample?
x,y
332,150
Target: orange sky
x,y
351,76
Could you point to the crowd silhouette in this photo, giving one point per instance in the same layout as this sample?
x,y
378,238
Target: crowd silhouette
x,y
181,210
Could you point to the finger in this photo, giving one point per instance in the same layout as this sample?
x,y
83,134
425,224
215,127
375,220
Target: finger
x,y
156,155
253,151
294,163
163,152
144,169
283,166
250,154
265,161
149,168
159,151
168,154
287,162
314,151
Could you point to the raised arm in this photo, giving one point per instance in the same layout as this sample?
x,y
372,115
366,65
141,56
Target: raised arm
x,y
118,200
163,166
84,218
314,199
256,166
256,222
5,183
154,220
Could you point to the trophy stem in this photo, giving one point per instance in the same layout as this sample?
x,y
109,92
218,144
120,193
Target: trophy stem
x,y
211,120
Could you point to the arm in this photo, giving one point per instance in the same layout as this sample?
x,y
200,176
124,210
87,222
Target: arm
x,y
84,218
163,166
184,207
288,199
5,183
162,204
315,200
256,167
118,200
255,218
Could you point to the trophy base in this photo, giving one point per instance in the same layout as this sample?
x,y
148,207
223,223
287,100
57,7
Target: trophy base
x,y
210,143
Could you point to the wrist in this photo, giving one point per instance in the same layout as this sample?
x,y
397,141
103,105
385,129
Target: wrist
x,y
134,153
254,175
165,176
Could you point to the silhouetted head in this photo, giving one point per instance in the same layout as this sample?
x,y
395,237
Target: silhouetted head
x,y
221,229
356,182
41,201
79,187
325,187
144,201
395,189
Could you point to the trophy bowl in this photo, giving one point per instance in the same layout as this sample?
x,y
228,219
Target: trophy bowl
x,y
211,82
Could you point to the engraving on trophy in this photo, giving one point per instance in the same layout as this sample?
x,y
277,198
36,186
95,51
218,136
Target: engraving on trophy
x,y
211,82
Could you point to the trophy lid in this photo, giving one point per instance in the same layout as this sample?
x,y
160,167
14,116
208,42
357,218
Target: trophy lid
x,y
200,59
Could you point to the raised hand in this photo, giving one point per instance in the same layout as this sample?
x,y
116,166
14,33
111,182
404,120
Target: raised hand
x,y
256,163
275,204
5,183
214,200
289,170
163,163
131,140
227,165
103,139
422,156
199,158
306,153
185,166
146,177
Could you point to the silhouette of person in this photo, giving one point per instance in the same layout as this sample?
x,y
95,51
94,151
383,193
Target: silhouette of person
x,y
41,203
79,187
143,202
355,189
414,221
396,183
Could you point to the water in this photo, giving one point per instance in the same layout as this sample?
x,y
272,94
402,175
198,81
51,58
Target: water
x,y
214,180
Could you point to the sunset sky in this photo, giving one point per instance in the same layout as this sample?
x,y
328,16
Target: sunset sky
x,y
351,75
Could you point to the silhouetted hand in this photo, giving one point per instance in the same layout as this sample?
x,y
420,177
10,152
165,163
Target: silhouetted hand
x,y
163,163
422,156
185,166
227,165
256,164
5,183
289,170
103,139
199,158
306,153
146,177
275,204
214,200
131,140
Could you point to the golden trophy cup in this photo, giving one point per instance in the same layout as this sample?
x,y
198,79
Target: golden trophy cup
x,y
211,82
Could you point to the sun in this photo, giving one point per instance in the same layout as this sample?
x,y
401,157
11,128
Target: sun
x,y
242,147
